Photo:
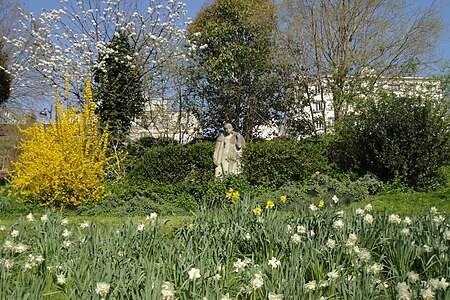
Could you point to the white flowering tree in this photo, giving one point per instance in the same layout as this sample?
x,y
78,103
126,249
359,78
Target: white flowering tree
x,y
71,41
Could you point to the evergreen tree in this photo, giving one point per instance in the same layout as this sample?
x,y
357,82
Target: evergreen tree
x,y
119,88
5,78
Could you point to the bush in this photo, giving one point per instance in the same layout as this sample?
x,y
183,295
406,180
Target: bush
x,y
138,147
278,161
397,137
175,163
62,164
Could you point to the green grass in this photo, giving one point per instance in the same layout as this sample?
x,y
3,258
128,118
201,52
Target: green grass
x,y
412,203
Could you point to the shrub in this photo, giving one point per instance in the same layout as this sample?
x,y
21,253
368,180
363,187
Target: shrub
x,y
276,162
397,137
62,164
138,147
175,163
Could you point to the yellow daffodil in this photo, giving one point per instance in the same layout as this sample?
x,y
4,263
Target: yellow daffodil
x,y
257,211
283,198
270,204
321,204
229,194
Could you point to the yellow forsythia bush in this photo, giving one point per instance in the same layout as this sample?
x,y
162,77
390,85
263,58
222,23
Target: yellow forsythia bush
x,y
63,164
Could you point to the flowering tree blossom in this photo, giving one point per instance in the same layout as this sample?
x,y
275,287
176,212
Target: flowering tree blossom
x,y
72,40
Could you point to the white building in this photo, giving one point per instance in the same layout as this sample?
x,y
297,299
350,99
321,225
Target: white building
x,y
159,121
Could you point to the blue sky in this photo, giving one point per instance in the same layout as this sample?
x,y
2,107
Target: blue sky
x,y
193,6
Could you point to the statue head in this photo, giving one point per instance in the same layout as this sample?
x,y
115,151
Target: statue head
x,y
228,129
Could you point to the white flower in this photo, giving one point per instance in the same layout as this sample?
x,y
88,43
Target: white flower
x,y
375,269
427,249
240,265
8,245
44,218
20,248
217,277
338,224
433,210
2,228
368,207
427,294
296,238
152,216
257,282
364,255
413,277
340,214
84,225
30,217
66,244
447,235
331,243
289,229
168,290
60,279
360,211
335,199
274,263
310,286
194,274
405,231
247,237
65,222
443,284
301,229
438,220
273,296
225,297
102,289
14,233
368,219
407,221
394,219
333,274
313,207
403,291
141,227
66,233
433,283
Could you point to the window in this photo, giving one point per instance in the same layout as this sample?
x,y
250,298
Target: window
x,y
320,105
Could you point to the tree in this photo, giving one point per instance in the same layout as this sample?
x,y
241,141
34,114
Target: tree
x,y
5,77
119,93
68,41
233,75
392,137
344,47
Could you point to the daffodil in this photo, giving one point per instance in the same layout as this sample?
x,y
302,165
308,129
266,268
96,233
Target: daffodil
x,y
283,198
229,194
270,204
321,204
257,211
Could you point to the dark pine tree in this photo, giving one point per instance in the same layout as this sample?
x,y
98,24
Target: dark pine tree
x,y
118,93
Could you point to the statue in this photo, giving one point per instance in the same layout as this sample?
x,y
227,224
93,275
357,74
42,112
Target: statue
x,y
228,151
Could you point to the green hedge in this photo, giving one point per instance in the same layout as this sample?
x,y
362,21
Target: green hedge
x,y
279,161
175,163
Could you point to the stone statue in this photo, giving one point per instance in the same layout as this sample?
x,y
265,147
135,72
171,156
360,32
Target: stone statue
x,y
228,151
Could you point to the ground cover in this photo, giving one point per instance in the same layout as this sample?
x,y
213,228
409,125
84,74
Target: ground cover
x,y
248,250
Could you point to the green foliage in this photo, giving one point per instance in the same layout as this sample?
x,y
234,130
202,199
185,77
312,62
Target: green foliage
x,y
137,148
119,94
323,187
406,138
233,74
175,163
279,161
5,78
